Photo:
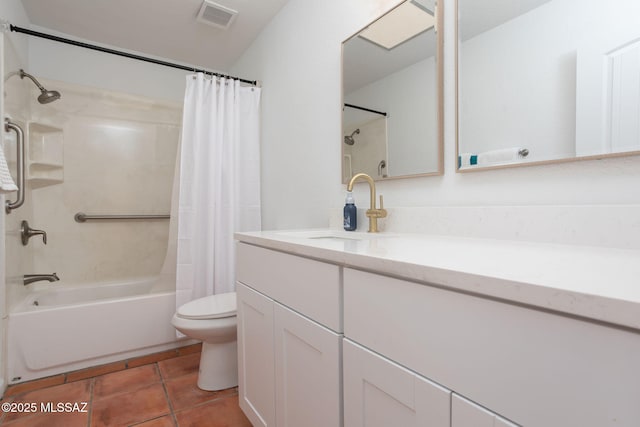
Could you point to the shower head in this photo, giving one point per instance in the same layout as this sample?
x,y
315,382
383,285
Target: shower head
x,y
348,139
46,96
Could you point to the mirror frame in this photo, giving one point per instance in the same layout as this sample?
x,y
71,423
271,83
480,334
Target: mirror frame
x,y
439,89
514,165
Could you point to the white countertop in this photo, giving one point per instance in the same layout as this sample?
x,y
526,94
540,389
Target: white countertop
x,y
592,282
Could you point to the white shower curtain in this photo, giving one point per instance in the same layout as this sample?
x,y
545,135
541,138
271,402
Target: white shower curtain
x,y
219,183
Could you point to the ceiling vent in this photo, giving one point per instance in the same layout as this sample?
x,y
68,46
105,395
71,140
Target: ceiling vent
x,y
217,15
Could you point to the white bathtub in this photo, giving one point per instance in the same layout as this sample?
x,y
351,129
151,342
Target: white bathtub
x,y
65,328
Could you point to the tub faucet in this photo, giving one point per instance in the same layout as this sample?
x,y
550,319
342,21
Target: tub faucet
x,y
27,232
30,278
372,213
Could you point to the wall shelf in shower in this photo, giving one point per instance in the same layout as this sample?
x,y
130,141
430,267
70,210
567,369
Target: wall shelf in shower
x,y
45,155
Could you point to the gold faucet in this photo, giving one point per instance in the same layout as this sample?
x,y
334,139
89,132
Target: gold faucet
x,y
372,213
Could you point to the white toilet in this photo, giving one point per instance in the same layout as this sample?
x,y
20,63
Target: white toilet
x,y
212,320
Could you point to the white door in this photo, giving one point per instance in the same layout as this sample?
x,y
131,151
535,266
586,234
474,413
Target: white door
x,y
307,361
624,99
255,356
380,393
465,413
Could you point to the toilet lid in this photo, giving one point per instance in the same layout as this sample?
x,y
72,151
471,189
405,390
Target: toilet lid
x,y
211,307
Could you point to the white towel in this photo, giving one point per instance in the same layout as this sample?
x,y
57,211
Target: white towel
x,y
6,182
464,159
505,155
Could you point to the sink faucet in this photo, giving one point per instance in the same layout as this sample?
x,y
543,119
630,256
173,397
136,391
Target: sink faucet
x,y
372,213
27,232
30,278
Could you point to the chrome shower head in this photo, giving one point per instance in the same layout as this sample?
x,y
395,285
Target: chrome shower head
x,y
46,96
348,139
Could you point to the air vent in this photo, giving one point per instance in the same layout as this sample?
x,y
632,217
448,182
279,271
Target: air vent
x,y
217,15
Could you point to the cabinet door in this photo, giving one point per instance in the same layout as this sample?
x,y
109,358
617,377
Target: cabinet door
x,y
465,413
380,393
255,356
308,379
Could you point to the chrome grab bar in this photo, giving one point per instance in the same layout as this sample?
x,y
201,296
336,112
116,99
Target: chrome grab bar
x,y
83,217
9,125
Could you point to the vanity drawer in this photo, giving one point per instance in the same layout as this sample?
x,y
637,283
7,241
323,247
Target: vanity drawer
x,y
533,367
307,286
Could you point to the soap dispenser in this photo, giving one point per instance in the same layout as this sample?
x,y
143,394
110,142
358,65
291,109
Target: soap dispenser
x,y
350,213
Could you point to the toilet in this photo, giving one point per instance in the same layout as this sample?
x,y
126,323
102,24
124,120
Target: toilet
x,y
212,320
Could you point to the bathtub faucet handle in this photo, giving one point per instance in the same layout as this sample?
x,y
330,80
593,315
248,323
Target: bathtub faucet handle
x,y
27,232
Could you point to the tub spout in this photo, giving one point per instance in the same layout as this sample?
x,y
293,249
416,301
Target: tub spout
x,y
30,278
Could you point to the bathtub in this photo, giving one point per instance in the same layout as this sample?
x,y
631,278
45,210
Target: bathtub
x,y
62,328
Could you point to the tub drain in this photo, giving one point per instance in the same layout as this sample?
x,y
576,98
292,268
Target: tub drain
x,y
35,303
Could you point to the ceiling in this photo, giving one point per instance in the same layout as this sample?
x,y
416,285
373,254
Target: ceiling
x,y
162,28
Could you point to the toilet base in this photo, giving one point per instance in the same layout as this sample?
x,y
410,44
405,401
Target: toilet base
x,y
218,366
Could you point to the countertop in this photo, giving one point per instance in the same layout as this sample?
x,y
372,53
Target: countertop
x,y
597,283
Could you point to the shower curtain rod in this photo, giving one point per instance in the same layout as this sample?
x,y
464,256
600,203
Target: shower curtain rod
x,y
125,54
382,113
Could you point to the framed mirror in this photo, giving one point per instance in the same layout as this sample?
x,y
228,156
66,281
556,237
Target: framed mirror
x,y
545,81
392,95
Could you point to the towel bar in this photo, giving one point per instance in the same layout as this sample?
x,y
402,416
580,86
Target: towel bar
x,y
83,217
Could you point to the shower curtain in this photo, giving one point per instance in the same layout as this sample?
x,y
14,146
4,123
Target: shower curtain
x,y
219,183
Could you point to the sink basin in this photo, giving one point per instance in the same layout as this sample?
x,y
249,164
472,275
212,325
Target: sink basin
x,y
326,235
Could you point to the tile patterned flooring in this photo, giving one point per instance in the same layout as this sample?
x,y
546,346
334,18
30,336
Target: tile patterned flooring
x,y
161,393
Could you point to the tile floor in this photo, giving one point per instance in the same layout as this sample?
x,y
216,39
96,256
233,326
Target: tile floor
x,y
158,394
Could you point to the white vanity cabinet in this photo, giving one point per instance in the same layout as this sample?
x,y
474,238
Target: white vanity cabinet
x,y
289,339
380,393
465,413
256,356
408,331
526,366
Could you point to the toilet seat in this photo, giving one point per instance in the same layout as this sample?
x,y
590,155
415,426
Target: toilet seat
x,y
211,307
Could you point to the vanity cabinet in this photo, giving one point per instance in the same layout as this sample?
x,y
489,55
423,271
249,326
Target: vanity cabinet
x,y
289,341
330,337
256,356
381,393
527,366
465,413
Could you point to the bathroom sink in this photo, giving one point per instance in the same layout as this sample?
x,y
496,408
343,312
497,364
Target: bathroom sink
x,y
335,238
326,235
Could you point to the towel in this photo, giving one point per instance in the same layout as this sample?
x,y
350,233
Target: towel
x,y
505,155
6,182
467,159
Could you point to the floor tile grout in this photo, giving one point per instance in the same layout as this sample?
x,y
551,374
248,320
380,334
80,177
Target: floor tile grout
x,y
166,395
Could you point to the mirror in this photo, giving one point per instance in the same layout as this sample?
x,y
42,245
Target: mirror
x,y
543,81
392,95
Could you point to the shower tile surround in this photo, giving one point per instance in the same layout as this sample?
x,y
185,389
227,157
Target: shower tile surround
x,y
119,157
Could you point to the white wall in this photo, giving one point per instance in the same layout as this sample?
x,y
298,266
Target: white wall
x,y
298,59
57,61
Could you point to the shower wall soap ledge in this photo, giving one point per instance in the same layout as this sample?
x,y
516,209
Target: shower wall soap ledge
x,y
45,155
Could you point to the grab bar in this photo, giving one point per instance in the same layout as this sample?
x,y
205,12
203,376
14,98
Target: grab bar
x,y
9,125
83,217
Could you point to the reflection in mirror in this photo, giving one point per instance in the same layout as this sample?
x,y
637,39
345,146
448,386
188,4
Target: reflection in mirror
x,y
391,121
547,81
